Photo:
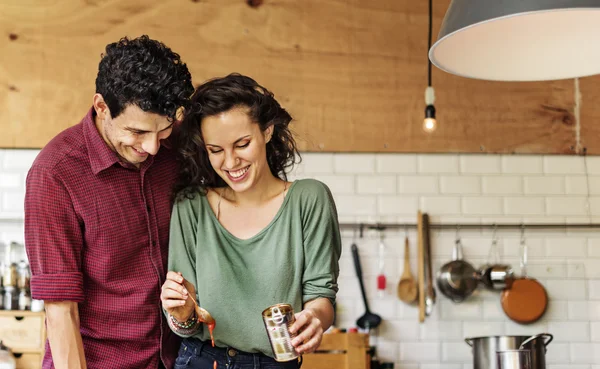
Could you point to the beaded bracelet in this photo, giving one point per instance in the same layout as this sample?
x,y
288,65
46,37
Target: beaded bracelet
x,y
189,323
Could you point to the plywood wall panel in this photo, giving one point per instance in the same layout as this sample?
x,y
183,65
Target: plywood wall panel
x,y
590,114
351,72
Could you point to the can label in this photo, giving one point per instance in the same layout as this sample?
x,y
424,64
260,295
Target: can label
x,y
278,319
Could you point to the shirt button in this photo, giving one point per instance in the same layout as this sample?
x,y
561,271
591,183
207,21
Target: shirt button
x,y
148,208
231,352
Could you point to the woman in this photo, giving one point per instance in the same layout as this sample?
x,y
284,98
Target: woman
x,y
243,238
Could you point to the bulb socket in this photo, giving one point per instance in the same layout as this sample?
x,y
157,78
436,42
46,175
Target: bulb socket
x,y
430,111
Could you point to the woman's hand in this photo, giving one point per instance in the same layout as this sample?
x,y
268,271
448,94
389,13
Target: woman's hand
x,y
310,332
175,296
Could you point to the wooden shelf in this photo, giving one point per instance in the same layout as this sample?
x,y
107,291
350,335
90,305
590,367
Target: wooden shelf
x,y
23,313
340,351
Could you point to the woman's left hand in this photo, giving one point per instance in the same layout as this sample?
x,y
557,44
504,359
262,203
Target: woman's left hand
x,y
310,332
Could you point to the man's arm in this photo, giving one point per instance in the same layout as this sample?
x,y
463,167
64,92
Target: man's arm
x,y
62,321
54,241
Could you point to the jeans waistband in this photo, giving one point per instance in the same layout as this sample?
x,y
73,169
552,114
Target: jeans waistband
x,y
199,347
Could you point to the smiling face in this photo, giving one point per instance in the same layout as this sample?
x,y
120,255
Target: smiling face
x,y
134,134
236,148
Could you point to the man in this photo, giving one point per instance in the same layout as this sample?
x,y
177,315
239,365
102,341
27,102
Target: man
x,y
97,213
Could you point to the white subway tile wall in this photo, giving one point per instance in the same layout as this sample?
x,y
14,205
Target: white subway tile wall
x,y
451,188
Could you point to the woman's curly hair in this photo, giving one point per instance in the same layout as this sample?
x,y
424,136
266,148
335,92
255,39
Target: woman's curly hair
x,y
220,95
146,73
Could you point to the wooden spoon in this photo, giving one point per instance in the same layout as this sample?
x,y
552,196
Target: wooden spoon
x,y
407,287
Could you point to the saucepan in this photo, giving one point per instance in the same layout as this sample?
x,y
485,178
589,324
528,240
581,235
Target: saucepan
x,y
457,279
494,275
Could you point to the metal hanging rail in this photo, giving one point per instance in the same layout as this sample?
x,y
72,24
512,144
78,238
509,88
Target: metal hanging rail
x,y
479,226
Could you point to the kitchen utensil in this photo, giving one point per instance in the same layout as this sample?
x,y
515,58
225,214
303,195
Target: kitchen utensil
x,y
485,348
407,287
457,279
514,359
525,343
495,276
526,300
203,315
381,279
368,320
430,297
420,267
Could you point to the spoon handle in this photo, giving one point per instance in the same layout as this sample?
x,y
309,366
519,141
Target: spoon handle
x,y
406,256
359,274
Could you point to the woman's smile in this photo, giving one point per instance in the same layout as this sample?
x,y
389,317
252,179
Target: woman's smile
x,y
238,175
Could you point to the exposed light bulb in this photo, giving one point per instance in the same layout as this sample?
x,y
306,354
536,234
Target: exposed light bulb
x,y
429,123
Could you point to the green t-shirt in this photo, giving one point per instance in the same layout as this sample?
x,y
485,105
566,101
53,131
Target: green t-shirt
x,y
293,260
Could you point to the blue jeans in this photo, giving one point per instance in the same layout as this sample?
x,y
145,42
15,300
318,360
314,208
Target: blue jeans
x,y
196,354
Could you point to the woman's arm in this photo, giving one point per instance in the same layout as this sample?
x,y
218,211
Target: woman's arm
x,y
322,248
311,322
178,291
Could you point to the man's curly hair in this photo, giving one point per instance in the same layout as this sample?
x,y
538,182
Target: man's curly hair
x,y
146,73
220,95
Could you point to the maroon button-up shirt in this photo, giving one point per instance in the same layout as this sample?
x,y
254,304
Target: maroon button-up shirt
x,y
97,233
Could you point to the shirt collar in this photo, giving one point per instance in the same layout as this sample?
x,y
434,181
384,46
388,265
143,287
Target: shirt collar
x,y
101,155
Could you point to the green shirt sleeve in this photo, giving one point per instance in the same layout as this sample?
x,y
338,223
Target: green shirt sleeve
x,y
182,241
322,243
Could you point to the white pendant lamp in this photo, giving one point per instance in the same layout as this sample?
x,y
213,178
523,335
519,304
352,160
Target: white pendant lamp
x,y
519,40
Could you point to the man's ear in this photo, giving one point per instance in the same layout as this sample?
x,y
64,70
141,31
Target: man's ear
x,y
100,106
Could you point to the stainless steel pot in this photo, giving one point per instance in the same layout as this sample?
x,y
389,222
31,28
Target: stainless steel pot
x,y
484,349
457,279
496,276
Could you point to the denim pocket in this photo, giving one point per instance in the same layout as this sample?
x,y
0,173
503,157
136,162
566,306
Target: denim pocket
x,y
183,357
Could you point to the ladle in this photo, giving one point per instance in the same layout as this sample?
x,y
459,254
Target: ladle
x,y
368,320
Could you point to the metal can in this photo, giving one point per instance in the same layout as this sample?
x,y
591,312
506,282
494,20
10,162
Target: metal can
x,y
278,319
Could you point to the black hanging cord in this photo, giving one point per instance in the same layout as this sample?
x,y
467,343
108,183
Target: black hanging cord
x,y
429,43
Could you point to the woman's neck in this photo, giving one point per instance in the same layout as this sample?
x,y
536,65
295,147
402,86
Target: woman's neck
x,y
264,190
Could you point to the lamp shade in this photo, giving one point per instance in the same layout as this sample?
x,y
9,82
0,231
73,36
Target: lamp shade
x,y
519,40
